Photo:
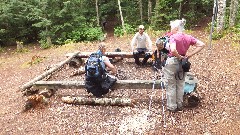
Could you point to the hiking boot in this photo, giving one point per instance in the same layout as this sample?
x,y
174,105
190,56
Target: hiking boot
x,y
173,111
179,108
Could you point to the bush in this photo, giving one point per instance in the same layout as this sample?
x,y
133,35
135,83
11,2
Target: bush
x,y
217,36
118,31
86,34
44,44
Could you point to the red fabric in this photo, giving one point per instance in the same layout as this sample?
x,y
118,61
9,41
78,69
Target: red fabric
x,y
183,42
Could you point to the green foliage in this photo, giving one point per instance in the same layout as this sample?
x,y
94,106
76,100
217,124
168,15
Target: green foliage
x,y
23,50
158,33
160,20
2,49
118,31
86,33
44,44
34,60
217,35
67,21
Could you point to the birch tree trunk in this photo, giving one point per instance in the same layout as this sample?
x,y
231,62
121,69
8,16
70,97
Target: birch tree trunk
x,y
233,12
141,10
120,10
221,15
97,13
99,101
149,10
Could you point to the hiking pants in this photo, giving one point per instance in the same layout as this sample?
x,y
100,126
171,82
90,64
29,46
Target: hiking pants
x,y
139,52
174,85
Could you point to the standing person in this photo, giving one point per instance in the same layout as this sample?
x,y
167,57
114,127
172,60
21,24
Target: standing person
x,y
179,45
141,38
97,81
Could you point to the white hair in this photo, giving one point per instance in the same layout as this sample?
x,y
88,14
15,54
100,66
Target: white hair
x,y
178,24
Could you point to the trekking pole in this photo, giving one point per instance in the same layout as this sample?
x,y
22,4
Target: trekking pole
x,y
163,108
153,92
214,16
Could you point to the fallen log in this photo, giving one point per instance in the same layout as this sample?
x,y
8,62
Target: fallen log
x,y
58,66
79,71
99,101
108,54
120,84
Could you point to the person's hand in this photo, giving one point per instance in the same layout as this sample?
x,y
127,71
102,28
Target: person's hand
x,y
181,57
188,56
135,50
149,52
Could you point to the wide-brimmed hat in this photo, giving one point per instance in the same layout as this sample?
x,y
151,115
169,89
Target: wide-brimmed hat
x,y
190,78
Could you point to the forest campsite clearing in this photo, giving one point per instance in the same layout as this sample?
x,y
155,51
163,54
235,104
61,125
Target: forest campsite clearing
x,y
217,70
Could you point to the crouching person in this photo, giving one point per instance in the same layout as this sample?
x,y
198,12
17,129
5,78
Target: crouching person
x,y
160,54
97,81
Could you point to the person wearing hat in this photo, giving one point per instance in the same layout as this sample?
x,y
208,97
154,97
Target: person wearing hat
x,y
141,39
179,44
160,54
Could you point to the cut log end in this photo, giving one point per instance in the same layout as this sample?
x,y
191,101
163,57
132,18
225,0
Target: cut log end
x,y
35,100
99,101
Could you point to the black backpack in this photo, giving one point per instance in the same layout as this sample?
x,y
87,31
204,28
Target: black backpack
x,y
186,65
95,67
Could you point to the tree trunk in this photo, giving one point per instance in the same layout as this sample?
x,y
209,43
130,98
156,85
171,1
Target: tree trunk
x,y
221,15
97,13
29,84
141,10
233,12
120,10
156,7
149,10
99,101
180,11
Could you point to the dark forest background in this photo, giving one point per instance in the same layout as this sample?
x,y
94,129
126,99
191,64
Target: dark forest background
x,y
60,21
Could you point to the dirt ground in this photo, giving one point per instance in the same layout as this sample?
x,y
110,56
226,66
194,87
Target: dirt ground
x,y
217,69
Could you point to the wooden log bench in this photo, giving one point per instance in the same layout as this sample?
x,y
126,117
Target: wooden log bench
x,y
47,88
120,84
108,54
114,57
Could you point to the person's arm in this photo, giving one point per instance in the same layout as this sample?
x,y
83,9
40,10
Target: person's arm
x,y
110,65
199,46
133,42
149,42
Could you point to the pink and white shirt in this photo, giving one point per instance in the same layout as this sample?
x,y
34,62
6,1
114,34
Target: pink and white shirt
x,y
183,42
